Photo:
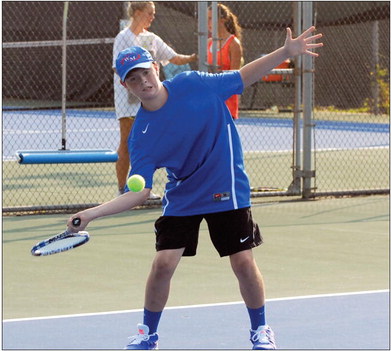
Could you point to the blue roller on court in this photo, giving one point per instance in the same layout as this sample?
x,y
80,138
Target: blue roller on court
x,y
65,156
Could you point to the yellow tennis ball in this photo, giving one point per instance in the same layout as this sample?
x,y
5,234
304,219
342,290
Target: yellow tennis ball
x,y
136,183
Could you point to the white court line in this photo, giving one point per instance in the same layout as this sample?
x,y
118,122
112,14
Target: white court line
x,y
197,306
316,150
56,131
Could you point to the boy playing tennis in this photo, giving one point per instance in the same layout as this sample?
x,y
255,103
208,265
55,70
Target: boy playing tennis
x,y
184,125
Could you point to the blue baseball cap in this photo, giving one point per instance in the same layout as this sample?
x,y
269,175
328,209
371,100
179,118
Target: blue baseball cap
x,y
131,58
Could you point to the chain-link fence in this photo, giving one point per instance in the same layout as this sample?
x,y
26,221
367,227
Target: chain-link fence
x,y
352,95
349,122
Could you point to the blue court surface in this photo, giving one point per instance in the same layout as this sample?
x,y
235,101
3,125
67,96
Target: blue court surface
x,y
335,321
29,130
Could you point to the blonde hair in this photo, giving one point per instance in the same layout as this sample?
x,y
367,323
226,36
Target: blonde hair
x,y
137,5
231,20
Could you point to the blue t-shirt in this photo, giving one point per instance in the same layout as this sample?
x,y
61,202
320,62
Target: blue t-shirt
x,y
194,137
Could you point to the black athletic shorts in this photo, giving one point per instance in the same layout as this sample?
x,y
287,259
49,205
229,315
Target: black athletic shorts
x,y
230,231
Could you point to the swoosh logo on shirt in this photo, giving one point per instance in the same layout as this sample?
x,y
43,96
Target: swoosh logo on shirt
x,y
243,240
145,130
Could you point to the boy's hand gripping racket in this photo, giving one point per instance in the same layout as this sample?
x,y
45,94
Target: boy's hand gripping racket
x,y
61,242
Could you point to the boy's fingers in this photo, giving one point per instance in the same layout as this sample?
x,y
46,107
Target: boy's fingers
x,y
308,31
314,37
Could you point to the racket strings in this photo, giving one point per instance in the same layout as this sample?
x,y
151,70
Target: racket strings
x,y
63,244
60,243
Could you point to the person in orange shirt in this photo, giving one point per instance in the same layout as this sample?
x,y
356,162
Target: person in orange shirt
x,y
229,48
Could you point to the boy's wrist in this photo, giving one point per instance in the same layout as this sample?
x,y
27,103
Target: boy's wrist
x,y
285,52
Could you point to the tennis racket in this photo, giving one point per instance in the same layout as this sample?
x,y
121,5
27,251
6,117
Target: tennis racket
x,y
61,242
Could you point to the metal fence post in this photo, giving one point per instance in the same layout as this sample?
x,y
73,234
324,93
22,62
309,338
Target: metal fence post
x,y
308,99
295,187
64,77
375,67
202,35
215,38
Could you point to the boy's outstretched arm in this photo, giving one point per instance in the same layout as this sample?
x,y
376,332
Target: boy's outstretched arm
x,y
255,70
120,204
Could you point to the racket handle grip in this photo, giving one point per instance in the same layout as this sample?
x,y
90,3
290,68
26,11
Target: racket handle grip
x,y
76,222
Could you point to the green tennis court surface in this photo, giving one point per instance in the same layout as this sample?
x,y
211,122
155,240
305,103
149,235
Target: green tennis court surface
x,y
311,247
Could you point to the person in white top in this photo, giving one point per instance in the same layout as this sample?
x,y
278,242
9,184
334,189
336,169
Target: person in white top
x,y
141,15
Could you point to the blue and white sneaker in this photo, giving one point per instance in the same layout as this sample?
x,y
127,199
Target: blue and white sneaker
x,y
263,338
143,341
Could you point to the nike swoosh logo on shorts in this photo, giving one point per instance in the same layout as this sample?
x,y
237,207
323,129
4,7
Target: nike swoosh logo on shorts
x,y
243,240
146,128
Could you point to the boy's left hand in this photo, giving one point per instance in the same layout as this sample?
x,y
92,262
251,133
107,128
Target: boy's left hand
x,y
302,44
